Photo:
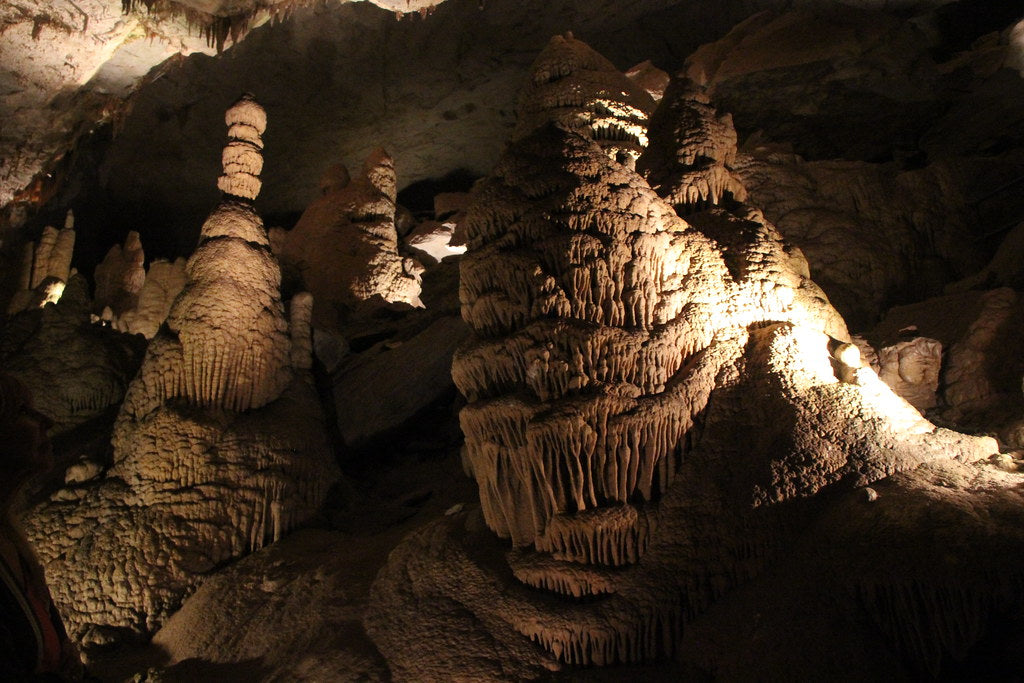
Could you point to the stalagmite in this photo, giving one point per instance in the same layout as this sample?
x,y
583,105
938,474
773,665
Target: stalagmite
x,y
120,277
693,149
577,88
164,280
648,399
219,447
345,245
45,269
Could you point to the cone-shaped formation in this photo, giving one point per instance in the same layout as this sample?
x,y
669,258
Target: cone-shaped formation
x,y
220,446
589,313
593,304
227,328
162,282
120,277
575,87
648,398
689,161
345,245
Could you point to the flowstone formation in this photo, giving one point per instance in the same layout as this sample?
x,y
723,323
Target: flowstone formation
x,y
345,245
75,370
700,146
220,446
656,409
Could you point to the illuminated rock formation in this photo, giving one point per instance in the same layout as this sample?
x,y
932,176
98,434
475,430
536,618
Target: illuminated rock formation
x,y
869,231
164,280
979,387
220,446
911,368
345,245
75,370
649,401
45,269
692,151
575,87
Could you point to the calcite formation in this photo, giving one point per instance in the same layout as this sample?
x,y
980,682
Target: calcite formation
x,y
120,278
345,245
648,402
911,367
75,370
131,297
692,152
573,85
219,447
164,280
871,232
45,268
979,382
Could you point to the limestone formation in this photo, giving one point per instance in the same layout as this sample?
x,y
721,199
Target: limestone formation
x,y
220,446
434,241
979,386
75,370
911,368
692,152
838,81
577,88
870,232
648,402
120,277
164,280
45,269
649,77
345,245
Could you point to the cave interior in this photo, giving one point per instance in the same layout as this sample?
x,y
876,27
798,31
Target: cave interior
x,y
579,340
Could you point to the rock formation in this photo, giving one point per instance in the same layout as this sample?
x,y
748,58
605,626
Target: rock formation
x,y
75,370
882,164
45,268
577,88
132,298
345,246
164,281
979,383
911,368
703,146
220,446
652,404
870,232
120,278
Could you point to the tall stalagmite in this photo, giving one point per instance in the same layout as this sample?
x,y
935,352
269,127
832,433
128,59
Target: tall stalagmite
x,y
220,445
692,151
647,399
